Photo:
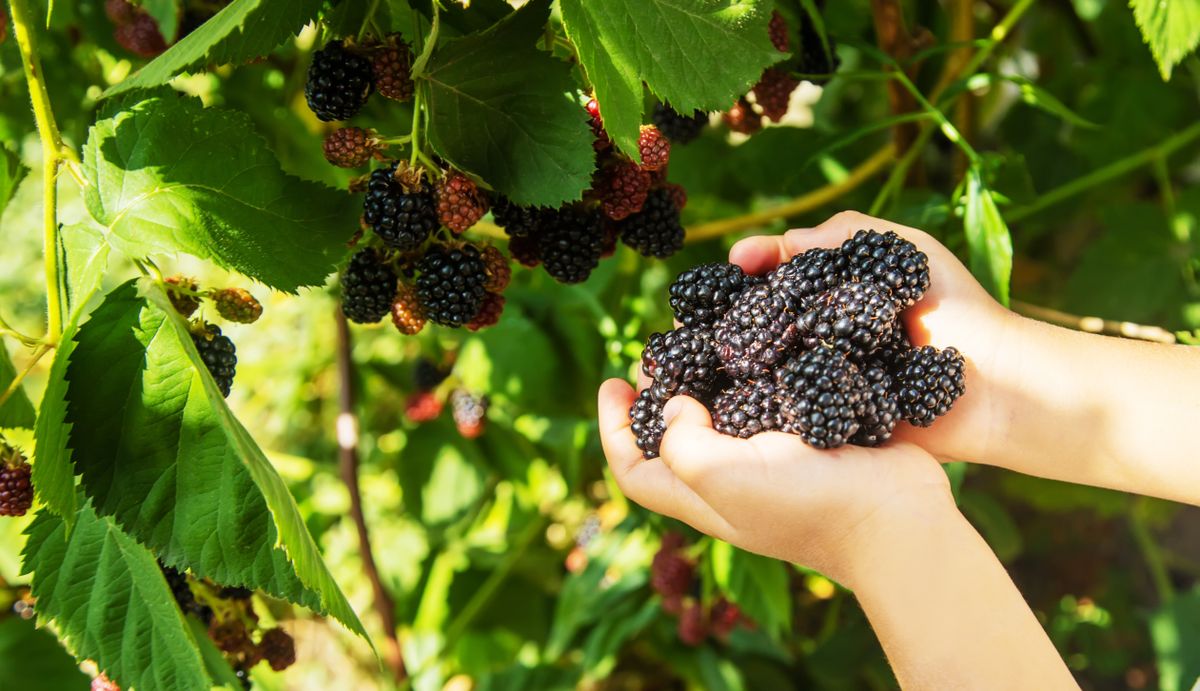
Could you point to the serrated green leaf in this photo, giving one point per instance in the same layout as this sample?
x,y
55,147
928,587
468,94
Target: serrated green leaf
x,y
17,411
987,237
86,252
244,29
160,452
501,109
1170,27
110,603
31,660
756,584
53,469
166,15
11,174
168,175
694,54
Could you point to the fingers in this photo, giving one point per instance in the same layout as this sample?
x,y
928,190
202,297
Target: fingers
x,y
648,482
760,254
694,451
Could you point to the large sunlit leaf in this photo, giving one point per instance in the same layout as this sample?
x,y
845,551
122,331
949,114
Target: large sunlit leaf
x,y
1170,27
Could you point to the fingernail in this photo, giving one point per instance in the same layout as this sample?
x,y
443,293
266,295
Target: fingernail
x,y
671,411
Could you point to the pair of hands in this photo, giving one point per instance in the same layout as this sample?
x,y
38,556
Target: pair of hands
x,y
774,495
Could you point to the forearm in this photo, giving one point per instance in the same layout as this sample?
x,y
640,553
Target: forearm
x,y
1097,410
947,614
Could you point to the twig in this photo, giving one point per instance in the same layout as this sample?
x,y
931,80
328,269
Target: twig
x,y
804,203
1095,325
16,382
347,437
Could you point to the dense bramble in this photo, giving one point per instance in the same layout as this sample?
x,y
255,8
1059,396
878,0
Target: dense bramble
x,y
338,83
815,348
368,287
217,353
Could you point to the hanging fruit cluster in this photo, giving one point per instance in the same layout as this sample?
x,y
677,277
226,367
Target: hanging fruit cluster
x,y
215,349
673,576
433,386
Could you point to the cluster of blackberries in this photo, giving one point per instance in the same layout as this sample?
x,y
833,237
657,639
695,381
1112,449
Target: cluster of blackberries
x,y
429,397
342,75
815,348
673,576
770,96
16,490
216,350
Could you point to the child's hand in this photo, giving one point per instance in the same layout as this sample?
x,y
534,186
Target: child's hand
x,y
773,494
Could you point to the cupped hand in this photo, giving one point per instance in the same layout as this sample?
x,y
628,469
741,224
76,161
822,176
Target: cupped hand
x,y
956,311
772,494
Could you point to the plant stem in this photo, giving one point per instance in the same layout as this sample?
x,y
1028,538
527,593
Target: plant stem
x,y
7,330
807,202
347,437
1109,172
1095,325
16,382
1159,575
52,147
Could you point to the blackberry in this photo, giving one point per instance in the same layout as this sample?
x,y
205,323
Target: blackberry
x,y
778,31
489,312
570,242
890,261
855,318
811,59
671,573
231,637
680,129
809,274
403,214
427,374
654,148
237,305
821,393
517,221
683,362
881,409
368,287
755,333
724,617
338,83
16,490
742,118
526,251
460,203
646,422
422,406
773,92
349,147
655,231
140,36
622,189
178,583
700,295
278,649
470,413
235,593
183,294
499,272
217,353
450,287
693,624
408,315
678,194
747,409
601,139
927,382
391,68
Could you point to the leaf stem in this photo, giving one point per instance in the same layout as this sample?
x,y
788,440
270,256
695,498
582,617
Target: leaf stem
x,y
418,67
7,330
16,382
52,148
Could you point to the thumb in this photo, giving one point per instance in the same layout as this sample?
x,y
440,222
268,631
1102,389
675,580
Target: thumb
x,y
690,446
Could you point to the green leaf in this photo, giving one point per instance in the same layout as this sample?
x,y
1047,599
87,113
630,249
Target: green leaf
x,y
17,411
501,109
110,603
1175,630
166,15
694,54
32,660
616,628
244,29
168,175
987,237
1170,27
160,452
11,174
53,469
756,584
86,252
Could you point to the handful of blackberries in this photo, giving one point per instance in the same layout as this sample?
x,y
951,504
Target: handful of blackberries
x,y
814,348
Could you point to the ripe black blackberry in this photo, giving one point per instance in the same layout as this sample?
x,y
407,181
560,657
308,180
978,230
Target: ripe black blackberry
x,y
755,333
811,59
855,318
890,261
178,583
680,129
747,409
822,397
927,382
570,241
809,274
655,231
450,285
217,353
402,213
427,374
518,221
368,287
16,490
682,362
700,295
881,409
645,416
338,82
